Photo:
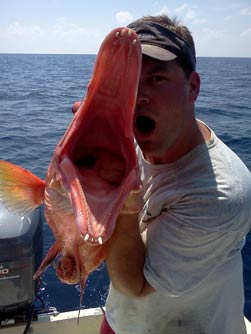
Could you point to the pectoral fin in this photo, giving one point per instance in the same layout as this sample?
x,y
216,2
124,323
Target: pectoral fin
x,y
53,252
20,190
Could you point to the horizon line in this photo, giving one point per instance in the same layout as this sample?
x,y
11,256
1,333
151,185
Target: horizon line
x,y
95,54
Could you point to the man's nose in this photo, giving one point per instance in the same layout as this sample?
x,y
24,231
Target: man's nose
x,y
142,96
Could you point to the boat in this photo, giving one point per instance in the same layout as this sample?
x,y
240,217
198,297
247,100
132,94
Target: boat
x,y
65,323
21,244
21,250
54,322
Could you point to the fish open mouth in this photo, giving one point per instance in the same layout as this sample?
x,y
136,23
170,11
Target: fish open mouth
x,y
100,173
99,163
144,124
107,165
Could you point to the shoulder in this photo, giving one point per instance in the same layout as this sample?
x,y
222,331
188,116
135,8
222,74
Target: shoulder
x,y
231,174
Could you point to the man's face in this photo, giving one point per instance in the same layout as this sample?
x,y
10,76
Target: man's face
x,y
164,113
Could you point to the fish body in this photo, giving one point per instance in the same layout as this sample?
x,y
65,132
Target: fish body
x,y
93,169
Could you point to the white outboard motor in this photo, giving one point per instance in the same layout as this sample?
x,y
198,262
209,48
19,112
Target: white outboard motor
x,y
21,248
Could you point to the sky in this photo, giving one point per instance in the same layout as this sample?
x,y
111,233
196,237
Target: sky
x,y
220,28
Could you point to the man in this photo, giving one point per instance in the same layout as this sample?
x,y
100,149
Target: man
x,y
176,267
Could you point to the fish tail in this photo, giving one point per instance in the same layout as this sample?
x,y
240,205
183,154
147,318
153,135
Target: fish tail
x,y
20,190
53,252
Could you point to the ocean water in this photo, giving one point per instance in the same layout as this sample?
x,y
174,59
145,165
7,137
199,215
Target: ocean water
x,y
36,96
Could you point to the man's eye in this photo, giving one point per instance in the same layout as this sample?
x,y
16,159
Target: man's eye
x,y
158,78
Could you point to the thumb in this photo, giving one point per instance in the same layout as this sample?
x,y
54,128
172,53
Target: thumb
x,y
134,202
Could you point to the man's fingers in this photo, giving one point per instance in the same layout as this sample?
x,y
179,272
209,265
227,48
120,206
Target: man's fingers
x,y
134,202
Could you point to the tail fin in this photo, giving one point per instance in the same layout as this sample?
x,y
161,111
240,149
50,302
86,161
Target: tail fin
x,y
20,190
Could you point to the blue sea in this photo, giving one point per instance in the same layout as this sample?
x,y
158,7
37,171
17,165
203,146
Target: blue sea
x,y
36,96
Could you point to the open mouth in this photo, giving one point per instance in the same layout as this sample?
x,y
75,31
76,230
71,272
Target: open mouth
x,y
144,124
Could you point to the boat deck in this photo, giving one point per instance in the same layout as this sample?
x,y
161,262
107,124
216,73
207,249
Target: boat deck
x,y
67,322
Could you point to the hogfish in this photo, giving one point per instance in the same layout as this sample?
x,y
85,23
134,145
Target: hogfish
x,y
93,169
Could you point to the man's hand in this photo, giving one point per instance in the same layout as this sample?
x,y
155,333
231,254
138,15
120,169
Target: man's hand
x,y
134,202
75,107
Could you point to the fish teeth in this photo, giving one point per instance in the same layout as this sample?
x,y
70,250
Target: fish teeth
x,y
123,32
87,237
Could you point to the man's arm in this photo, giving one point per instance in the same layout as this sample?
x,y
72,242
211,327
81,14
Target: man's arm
x,y
125,257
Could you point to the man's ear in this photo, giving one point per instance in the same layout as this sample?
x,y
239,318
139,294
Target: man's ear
x,y
194,85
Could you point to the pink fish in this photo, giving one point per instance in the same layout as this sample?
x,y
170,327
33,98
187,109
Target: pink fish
x,y
93,169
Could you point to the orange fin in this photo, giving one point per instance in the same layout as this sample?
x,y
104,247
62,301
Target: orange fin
x,y
20,190
53,252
